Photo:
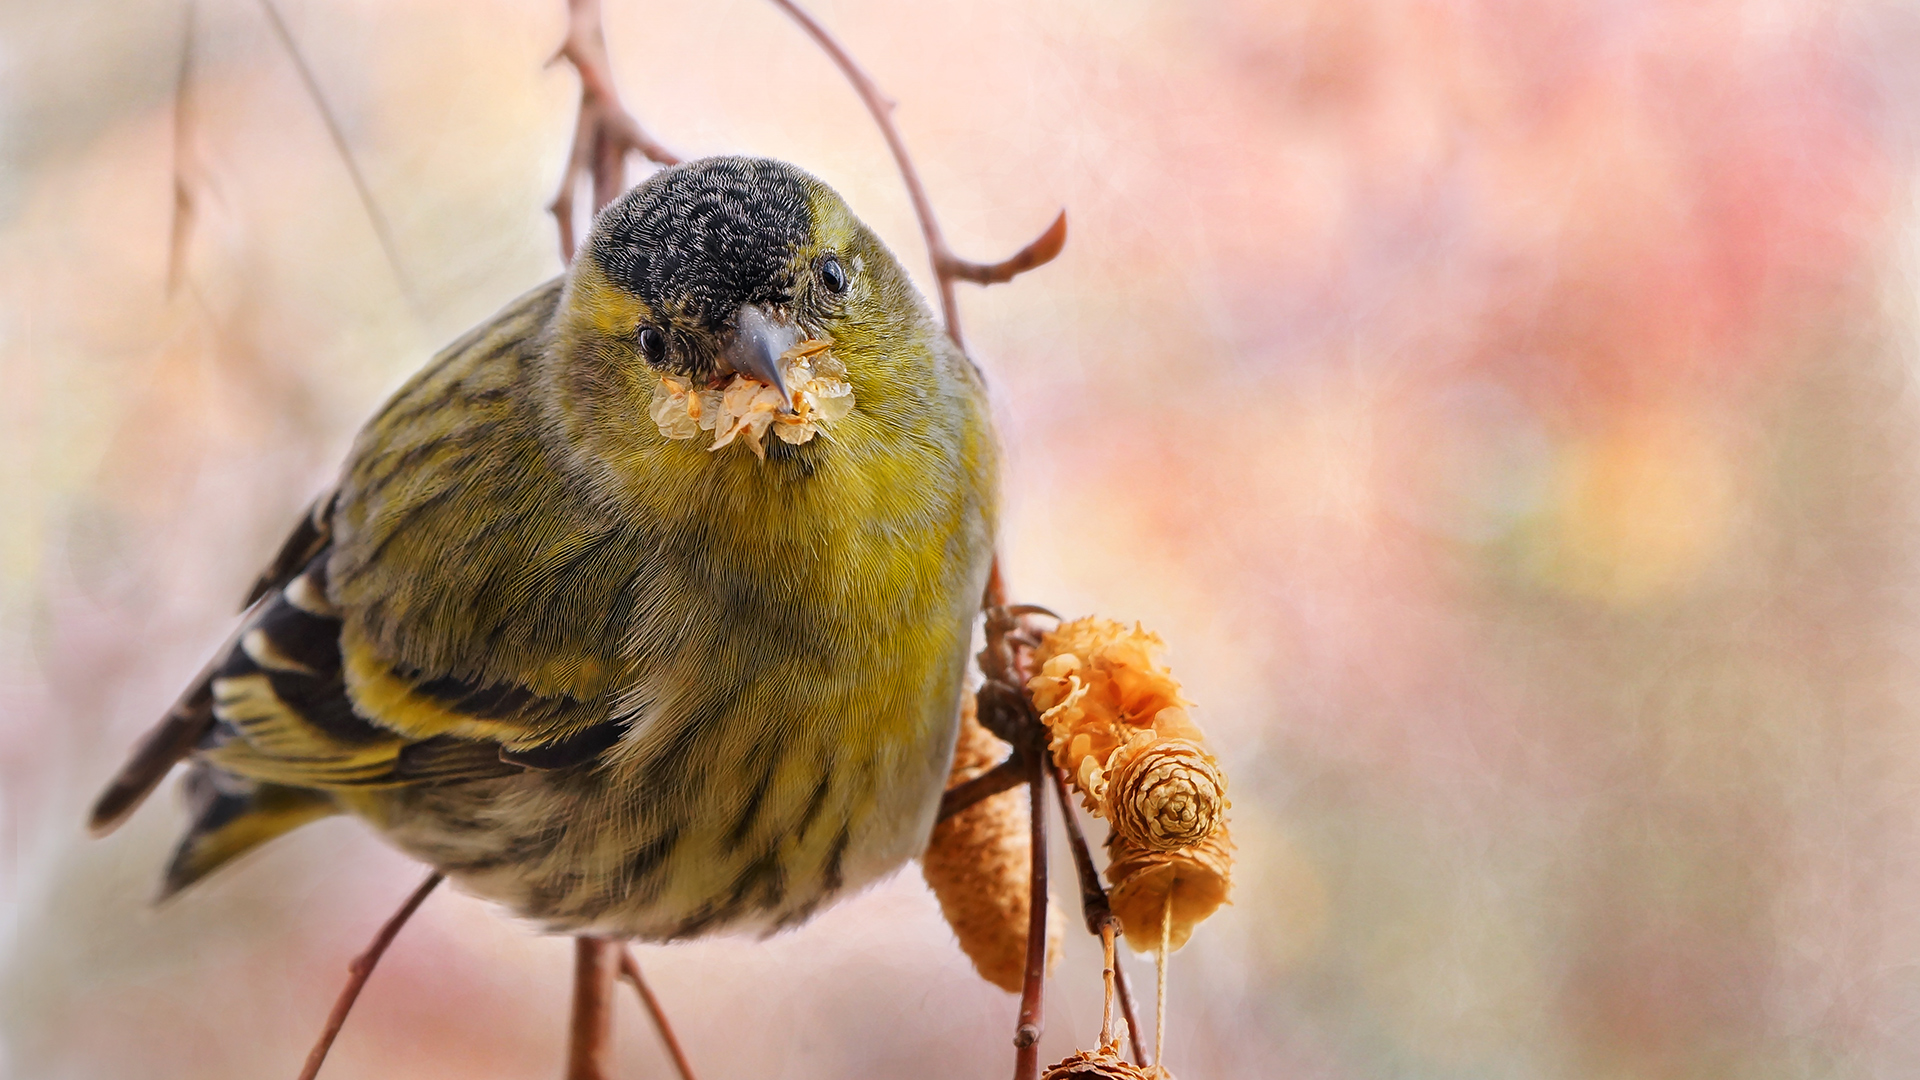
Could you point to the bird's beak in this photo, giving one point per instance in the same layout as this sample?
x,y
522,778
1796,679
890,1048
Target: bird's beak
x,y
759,340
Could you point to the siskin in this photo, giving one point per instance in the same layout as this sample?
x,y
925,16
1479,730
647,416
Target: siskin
x,y
618,678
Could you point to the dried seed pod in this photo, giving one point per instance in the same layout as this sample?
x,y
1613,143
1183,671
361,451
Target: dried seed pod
x,y
1102,1064
1121,731
1198,878
1163,794
746,409
978,865
1102,686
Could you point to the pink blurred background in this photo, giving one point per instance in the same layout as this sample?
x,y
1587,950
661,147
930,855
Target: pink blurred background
x,y
1505,410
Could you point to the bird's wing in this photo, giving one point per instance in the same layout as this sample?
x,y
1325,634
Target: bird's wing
x,y
282,712
458,613
484,593
435,506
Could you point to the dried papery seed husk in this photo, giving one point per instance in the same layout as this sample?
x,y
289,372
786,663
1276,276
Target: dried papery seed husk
x,y
1102,686
1102,1064
1199,878
1163,793
1120,730
979,864
745,409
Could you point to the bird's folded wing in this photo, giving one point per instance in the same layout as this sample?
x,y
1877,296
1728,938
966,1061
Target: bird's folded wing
x,y
299,704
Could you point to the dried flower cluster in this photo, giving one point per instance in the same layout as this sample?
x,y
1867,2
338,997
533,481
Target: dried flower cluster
x,y
979,866
746,409
1121,732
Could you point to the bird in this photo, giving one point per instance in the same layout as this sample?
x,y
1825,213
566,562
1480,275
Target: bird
x,y
621,683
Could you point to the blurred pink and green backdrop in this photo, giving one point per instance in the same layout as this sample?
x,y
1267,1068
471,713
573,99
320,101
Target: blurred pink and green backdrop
x,y
1507,412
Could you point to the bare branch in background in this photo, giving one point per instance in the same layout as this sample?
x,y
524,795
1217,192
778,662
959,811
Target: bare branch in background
x,y
630,971
1009,774
359,970
605,132
1041,251
381,232
947,267
181,228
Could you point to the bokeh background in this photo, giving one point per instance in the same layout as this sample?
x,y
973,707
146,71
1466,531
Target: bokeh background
x,y
1507,412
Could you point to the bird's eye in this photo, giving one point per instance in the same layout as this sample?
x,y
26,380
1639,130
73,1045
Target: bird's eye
x,y
833,275
653,343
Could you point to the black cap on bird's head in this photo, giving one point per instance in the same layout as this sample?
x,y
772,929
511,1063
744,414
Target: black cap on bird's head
x,y
718,252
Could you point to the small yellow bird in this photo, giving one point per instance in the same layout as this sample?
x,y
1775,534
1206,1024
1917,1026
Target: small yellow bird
x,y
543,639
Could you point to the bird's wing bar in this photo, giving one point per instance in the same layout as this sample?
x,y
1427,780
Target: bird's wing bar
x,y
519,725
308,540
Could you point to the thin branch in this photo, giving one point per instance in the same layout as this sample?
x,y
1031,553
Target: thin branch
x,y
605,132
630,970
1006,709
590,1036
1095,908
1005,776
358,971
1093,895
1109,966
374,217
996,594
182,225
1160,977
1026,1037
1043,250
947,267
1126,1009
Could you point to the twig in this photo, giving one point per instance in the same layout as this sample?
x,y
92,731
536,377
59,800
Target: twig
x,y
182,224
947,267
1126,1009
630,970
996,594
1094,906
1010,773
358,971
1006,709
1109,964
590,1035
1093,895
1160,967
381,232
605,132
1026,1037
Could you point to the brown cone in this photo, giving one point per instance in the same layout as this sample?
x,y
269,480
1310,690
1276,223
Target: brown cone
x,y
1103,1064
1164,794
1198,877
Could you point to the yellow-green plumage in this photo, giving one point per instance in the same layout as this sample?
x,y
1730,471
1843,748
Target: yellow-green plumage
x,y
619,682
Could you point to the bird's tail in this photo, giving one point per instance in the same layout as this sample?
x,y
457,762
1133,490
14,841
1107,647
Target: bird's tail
x,y
232,815
171,740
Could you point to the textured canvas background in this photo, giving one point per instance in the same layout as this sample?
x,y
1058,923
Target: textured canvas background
x,y
1506,410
